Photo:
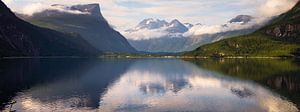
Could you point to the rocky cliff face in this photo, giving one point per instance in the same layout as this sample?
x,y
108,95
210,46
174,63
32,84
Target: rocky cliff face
x,y
85,20
286,25
284,31
19,38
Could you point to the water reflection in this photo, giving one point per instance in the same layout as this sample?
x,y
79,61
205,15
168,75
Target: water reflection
x,y
173,85
58,84
279,75
137,85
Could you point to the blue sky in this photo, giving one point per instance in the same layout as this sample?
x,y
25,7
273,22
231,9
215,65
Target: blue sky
x,y
127,13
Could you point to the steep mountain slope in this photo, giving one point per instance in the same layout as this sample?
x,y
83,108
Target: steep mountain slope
x,y
19,38
85,20
279,38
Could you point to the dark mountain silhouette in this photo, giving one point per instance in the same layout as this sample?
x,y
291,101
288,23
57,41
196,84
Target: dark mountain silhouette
x,y
19,38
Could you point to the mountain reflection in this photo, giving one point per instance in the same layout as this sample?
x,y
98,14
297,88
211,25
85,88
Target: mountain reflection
x,y
279,75
59,84
174,85
147,85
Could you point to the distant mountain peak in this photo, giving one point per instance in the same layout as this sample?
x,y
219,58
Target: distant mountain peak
x,y
93,9
241,19
175,26
151,23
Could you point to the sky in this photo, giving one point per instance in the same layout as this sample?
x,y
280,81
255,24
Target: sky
x,y
125,14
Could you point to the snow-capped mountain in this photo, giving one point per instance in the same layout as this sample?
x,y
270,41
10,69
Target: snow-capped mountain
x,y
154,35
151,24
176,26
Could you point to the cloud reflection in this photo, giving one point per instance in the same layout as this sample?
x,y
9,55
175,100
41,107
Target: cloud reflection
x,y
155,85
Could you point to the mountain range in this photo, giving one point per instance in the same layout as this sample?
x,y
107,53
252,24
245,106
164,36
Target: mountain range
x,y
19,38
279,38
85,20
81,30
155,35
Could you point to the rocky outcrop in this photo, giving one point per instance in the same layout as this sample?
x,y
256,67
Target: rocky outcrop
x,y
284,31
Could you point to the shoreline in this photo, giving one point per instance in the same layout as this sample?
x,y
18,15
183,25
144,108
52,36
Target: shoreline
x,y
42,57
147,57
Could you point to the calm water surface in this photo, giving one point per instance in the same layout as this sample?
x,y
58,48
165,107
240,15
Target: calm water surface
x,y
138,85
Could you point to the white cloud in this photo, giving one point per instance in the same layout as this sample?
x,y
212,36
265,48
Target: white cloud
x,y
39,7
275,7
145,34
7,1
212,29
33,8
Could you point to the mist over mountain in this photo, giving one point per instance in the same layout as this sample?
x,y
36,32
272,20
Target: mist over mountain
x,y
241,19
85,20
154,35
19,38
279,38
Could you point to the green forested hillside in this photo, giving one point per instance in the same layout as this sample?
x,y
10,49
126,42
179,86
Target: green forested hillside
x,y
279,38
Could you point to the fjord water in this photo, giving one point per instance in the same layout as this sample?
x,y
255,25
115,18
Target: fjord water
x,y
125,85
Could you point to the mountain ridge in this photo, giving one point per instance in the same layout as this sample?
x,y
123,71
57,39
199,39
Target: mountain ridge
x,y
92,27
19,38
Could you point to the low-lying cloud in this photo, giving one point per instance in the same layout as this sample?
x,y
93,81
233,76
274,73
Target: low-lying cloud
x,y
275,7
145,34
265,11
39,7
212,29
